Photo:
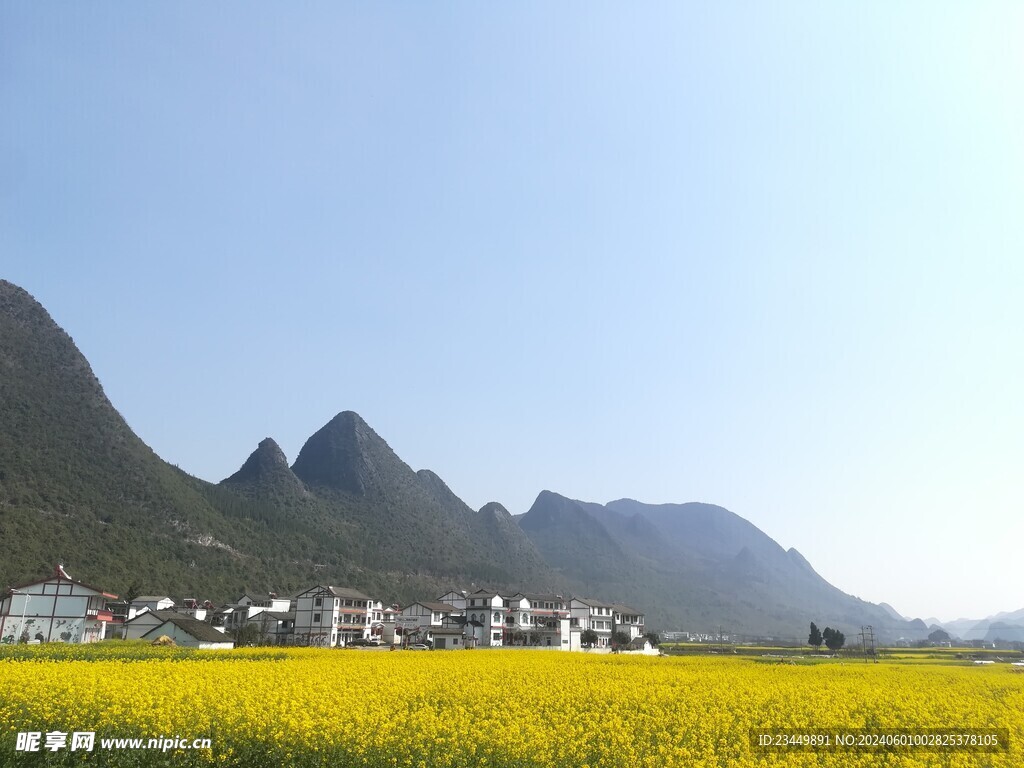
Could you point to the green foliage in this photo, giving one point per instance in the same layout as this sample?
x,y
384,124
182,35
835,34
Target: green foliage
x,y
814,639
588,638
834,639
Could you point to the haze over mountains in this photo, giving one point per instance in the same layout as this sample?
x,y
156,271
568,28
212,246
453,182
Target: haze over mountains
x,y
76,484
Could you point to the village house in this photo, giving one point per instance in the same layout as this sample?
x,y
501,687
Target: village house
x,y
149,603
418,620
485,618
447,638
533,620
247,609
628,620
54,609
458,600
192,607
587,613
390,634
188,632
331,616
137,627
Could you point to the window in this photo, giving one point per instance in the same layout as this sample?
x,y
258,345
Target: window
x,y
496,636
497,618
318,601
316,618
335,602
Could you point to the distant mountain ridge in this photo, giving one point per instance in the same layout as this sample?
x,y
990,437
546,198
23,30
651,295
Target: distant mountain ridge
x,y
77,484
1007,626
716,567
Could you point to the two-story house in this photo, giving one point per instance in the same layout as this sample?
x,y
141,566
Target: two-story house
x,y
54,609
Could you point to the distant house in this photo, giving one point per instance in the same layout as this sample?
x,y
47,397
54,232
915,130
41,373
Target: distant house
x,y
137,627
197,610
641,645
277,627
247,610
389,625
190,633
447,638
55,609
628,620
149,603
418,620
587,613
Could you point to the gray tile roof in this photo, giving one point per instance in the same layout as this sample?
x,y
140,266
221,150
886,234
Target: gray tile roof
x,y
200,630
627,610
432,606
161,616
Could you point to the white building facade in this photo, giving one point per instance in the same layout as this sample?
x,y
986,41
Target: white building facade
x,y
329,616
54,610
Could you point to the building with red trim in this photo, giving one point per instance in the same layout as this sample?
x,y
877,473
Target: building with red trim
x,y
57,609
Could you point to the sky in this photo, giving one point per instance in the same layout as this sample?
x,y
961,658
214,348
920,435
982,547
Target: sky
x,y
768,256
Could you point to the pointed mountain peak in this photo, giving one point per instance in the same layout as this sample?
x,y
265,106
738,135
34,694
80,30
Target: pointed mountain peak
x,y
266,469
495,510
551,507
347,455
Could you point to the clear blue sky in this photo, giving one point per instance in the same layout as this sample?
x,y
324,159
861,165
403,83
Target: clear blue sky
x,y
769,256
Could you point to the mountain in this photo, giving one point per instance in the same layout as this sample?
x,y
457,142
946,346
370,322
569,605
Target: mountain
x,y
892,612
695,566
1004,632
76,484
1006,625
266,473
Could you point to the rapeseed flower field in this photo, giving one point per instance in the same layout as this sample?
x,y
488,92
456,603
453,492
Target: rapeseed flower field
x,y
505,709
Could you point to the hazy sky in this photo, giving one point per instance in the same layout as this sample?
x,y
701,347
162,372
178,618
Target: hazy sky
x,y
765,255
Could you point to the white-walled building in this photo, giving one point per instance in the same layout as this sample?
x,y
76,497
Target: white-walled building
x,y
247,609
331,616
587,613
485,618
192,607
137,627
149,603
533,620
55,609
628,620
419,619
189,633
455,598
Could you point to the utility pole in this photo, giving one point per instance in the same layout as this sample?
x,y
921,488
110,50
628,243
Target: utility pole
x,y
867,643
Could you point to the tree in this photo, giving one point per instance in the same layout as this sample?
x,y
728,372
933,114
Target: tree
x,y
588,638
654,639
834,639
815,639
133,592
620,638
939,636
249,634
